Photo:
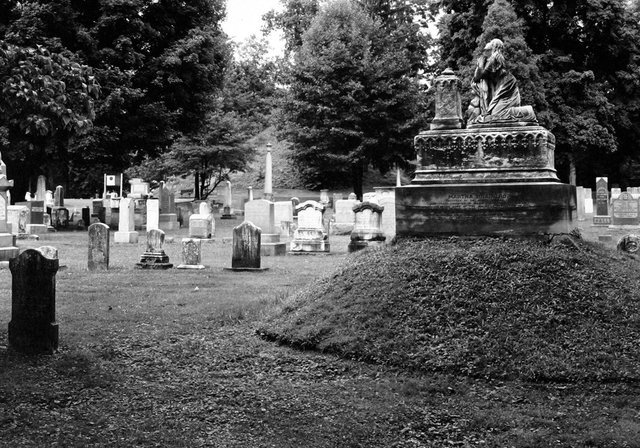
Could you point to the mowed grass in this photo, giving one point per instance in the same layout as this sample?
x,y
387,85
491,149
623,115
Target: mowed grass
x,y
171,358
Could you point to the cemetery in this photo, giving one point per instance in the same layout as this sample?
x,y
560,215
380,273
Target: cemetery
x,y
235,262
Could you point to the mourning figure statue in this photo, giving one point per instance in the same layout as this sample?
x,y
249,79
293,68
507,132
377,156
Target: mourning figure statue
x,y
497,98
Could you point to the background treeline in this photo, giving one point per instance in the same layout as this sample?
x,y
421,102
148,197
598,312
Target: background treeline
x,y
154,88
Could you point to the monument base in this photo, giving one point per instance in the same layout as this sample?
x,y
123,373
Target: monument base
x,y
191,266
604,221
271,245
36,229
310,246
154,260
125,237
356,245
168,221
495,209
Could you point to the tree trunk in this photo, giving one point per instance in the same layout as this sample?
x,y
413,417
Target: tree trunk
x,y
196,185
357,174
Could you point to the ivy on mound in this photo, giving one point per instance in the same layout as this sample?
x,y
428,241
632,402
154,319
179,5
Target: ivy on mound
x,y
567,310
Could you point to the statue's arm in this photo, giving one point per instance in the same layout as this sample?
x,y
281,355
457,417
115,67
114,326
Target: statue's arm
x,y
480,68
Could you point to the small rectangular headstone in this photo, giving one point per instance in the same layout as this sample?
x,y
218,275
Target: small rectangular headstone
x,y
33,328
191,254
246,246
99,236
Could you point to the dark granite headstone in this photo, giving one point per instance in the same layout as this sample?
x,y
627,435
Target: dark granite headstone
x,y
98,257
86,215
36,209
602,196
246,246
33,328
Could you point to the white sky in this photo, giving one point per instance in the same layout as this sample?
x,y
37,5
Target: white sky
x,y
244,18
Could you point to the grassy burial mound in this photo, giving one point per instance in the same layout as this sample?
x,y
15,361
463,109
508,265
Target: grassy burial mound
x,y
568,310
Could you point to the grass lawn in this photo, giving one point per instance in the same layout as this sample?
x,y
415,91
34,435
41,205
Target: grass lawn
x,y
171,358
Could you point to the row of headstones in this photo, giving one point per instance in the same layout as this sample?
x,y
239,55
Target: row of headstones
x,y
615,207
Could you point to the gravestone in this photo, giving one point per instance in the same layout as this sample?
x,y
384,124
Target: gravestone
x,y
268,176
386,197
295,202
168,219
261,213
624,210
36,218
310,236
126,224
370,197
99,237
344,217
580,203
352,197
227,209
367,231
246,248
139,188
153,214
154,257
41,189
18,217
588,201
191,254
49,252
202,224
33,328
59,214
324,197
8,248
615,192
98,211
602,217
86,216
283,216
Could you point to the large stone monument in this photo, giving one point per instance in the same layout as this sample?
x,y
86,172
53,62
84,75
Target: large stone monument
x,y
494,177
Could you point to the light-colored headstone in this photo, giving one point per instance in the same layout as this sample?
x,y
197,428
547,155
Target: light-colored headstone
x,y
580,203
370,197
202,224
268,175
310,235
352,196
615,192
126,223
58,197
49,252
98,257
261,213
48,201
344,217
18,216
588,201
33,328
283,212
153,214
625,210
324,197
139,188
387,199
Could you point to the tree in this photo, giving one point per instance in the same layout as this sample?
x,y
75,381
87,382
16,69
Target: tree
x,y
47,100
157,62
352,100
294,20
239,111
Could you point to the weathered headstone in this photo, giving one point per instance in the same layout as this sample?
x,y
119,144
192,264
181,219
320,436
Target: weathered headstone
x,y
153,214
99,237
352,197
168,219
602,217
18,217
615,192
310,236
36,218
624,210
59,214
324,197
49,252
202,224
191,254
154,257
246,248
126,224
139,188
344,217
367,231
33,328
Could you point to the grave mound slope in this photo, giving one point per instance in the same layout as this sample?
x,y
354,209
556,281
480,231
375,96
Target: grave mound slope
x,y
565,310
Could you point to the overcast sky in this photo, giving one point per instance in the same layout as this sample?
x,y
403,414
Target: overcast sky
x,y
244,17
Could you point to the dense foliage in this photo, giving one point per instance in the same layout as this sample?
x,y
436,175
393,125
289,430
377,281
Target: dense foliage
x,y
586,55
353,95
565,311
156,62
